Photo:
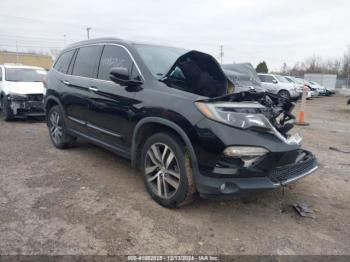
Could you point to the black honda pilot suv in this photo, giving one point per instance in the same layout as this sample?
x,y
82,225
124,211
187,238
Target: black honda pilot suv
x,y
172,112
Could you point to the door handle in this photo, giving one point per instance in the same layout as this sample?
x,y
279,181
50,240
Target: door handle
x,y
93,88
66,82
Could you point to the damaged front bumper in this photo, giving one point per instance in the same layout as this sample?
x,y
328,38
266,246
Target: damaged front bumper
x,y
29,105
247,180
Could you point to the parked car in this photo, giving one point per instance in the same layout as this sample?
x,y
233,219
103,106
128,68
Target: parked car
x,y
168,111
21,91
322,91
279,85
243,76
301,84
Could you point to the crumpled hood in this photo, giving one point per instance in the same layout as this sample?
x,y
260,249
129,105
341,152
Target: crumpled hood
x,y
198,73
23,88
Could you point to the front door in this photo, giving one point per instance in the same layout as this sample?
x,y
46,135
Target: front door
x,y
112,107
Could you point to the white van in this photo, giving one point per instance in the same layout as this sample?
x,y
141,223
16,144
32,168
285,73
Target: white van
x,y
279,85
21,91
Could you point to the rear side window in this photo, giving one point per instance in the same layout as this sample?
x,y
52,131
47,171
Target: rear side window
x,y
266,78
63,62
115,56
86,61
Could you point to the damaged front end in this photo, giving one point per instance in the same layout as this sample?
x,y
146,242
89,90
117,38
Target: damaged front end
x,y
23,105
264,112
260,153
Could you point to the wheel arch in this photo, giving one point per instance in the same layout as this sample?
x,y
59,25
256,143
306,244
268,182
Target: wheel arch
x,y
166,125
51,101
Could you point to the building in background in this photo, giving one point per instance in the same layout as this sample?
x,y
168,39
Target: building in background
x,y
327,80
44,61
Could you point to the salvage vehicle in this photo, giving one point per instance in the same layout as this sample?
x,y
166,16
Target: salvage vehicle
x,y
320,89
277,84
21,91
243,76
168,110
301,84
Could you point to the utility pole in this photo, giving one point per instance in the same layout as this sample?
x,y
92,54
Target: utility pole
x,y
88,32
64,39
17,58
221,53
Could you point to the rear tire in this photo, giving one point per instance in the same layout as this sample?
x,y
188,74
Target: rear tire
x,y
6,109
284,93
167,171
57,129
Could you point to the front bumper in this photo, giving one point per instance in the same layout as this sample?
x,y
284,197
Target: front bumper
x,y
226,187
23,108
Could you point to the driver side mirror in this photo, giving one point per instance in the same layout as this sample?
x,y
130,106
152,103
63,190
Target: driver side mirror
x,y
121,76
274,81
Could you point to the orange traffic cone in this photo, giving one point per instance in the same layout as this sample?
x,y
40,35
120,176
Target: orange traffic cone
x,y
301,116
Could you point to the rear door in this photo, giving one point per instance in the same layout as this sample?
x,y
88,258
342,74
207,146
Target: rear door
x,y
268,83
79,82
112,105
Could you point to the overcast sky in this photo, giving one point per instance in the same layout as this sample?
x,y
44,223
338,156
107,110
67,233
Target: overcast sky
x,y
276,31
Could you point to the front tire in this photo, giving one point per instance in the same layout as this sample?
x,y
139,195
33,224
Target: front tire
x,y
284,93
167,171
57,129
6,109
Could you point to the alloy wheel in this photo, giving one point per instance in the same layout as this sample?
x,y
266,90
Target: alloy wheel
x,y
56,129
162,170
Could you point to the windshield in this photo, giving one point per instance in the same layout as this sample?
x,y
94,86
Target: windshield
x,y
298,81
24,74
281,79
159,59
289,79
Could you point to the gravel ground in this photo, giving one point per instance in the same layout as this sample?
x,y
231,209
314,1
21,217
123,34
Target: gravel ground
x,y
88,201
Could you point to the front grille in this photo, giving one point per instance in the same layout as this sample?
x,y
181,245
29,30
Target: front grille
x,y
287,172
35,97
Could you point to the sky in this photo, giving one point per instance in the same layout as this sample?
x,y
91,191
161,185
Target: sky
x,y
276,31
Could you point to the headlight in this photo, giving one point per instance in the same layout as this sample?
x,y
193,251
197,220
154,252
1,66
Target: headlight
x,y
224,112
248,154
15,96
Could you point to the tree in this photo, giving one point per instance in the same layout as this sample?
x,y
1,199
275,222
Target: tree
x,y
284,69
262,67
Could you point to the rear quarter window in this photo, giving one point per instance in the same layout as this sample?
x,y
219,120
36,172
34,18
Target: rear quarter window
x,y
63,62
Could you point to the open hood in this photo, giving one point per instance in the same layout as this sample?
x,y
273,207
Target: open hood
x,y
243,76
197,73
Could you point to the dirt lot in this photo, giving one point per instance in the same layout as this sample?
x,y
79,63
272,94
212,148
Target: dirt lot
x,y
86,200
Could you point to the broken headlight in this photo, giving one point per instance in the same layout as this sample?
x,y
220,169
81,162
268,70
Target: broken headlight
x,y
227,113
16,96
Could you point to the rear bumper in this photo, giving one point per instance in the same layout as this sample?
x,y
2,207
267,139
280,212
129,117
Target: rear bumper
x,y
218,188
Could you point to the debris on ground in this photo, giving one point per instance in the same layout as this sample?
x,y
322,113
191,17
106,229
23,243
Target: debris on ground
x,y
304,210
339,150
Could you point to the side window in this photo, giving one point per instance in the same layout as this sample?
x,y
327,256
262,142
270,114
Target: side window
x,y
262,78
63,62
86,61
115,56
269,79
0,73
266,78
